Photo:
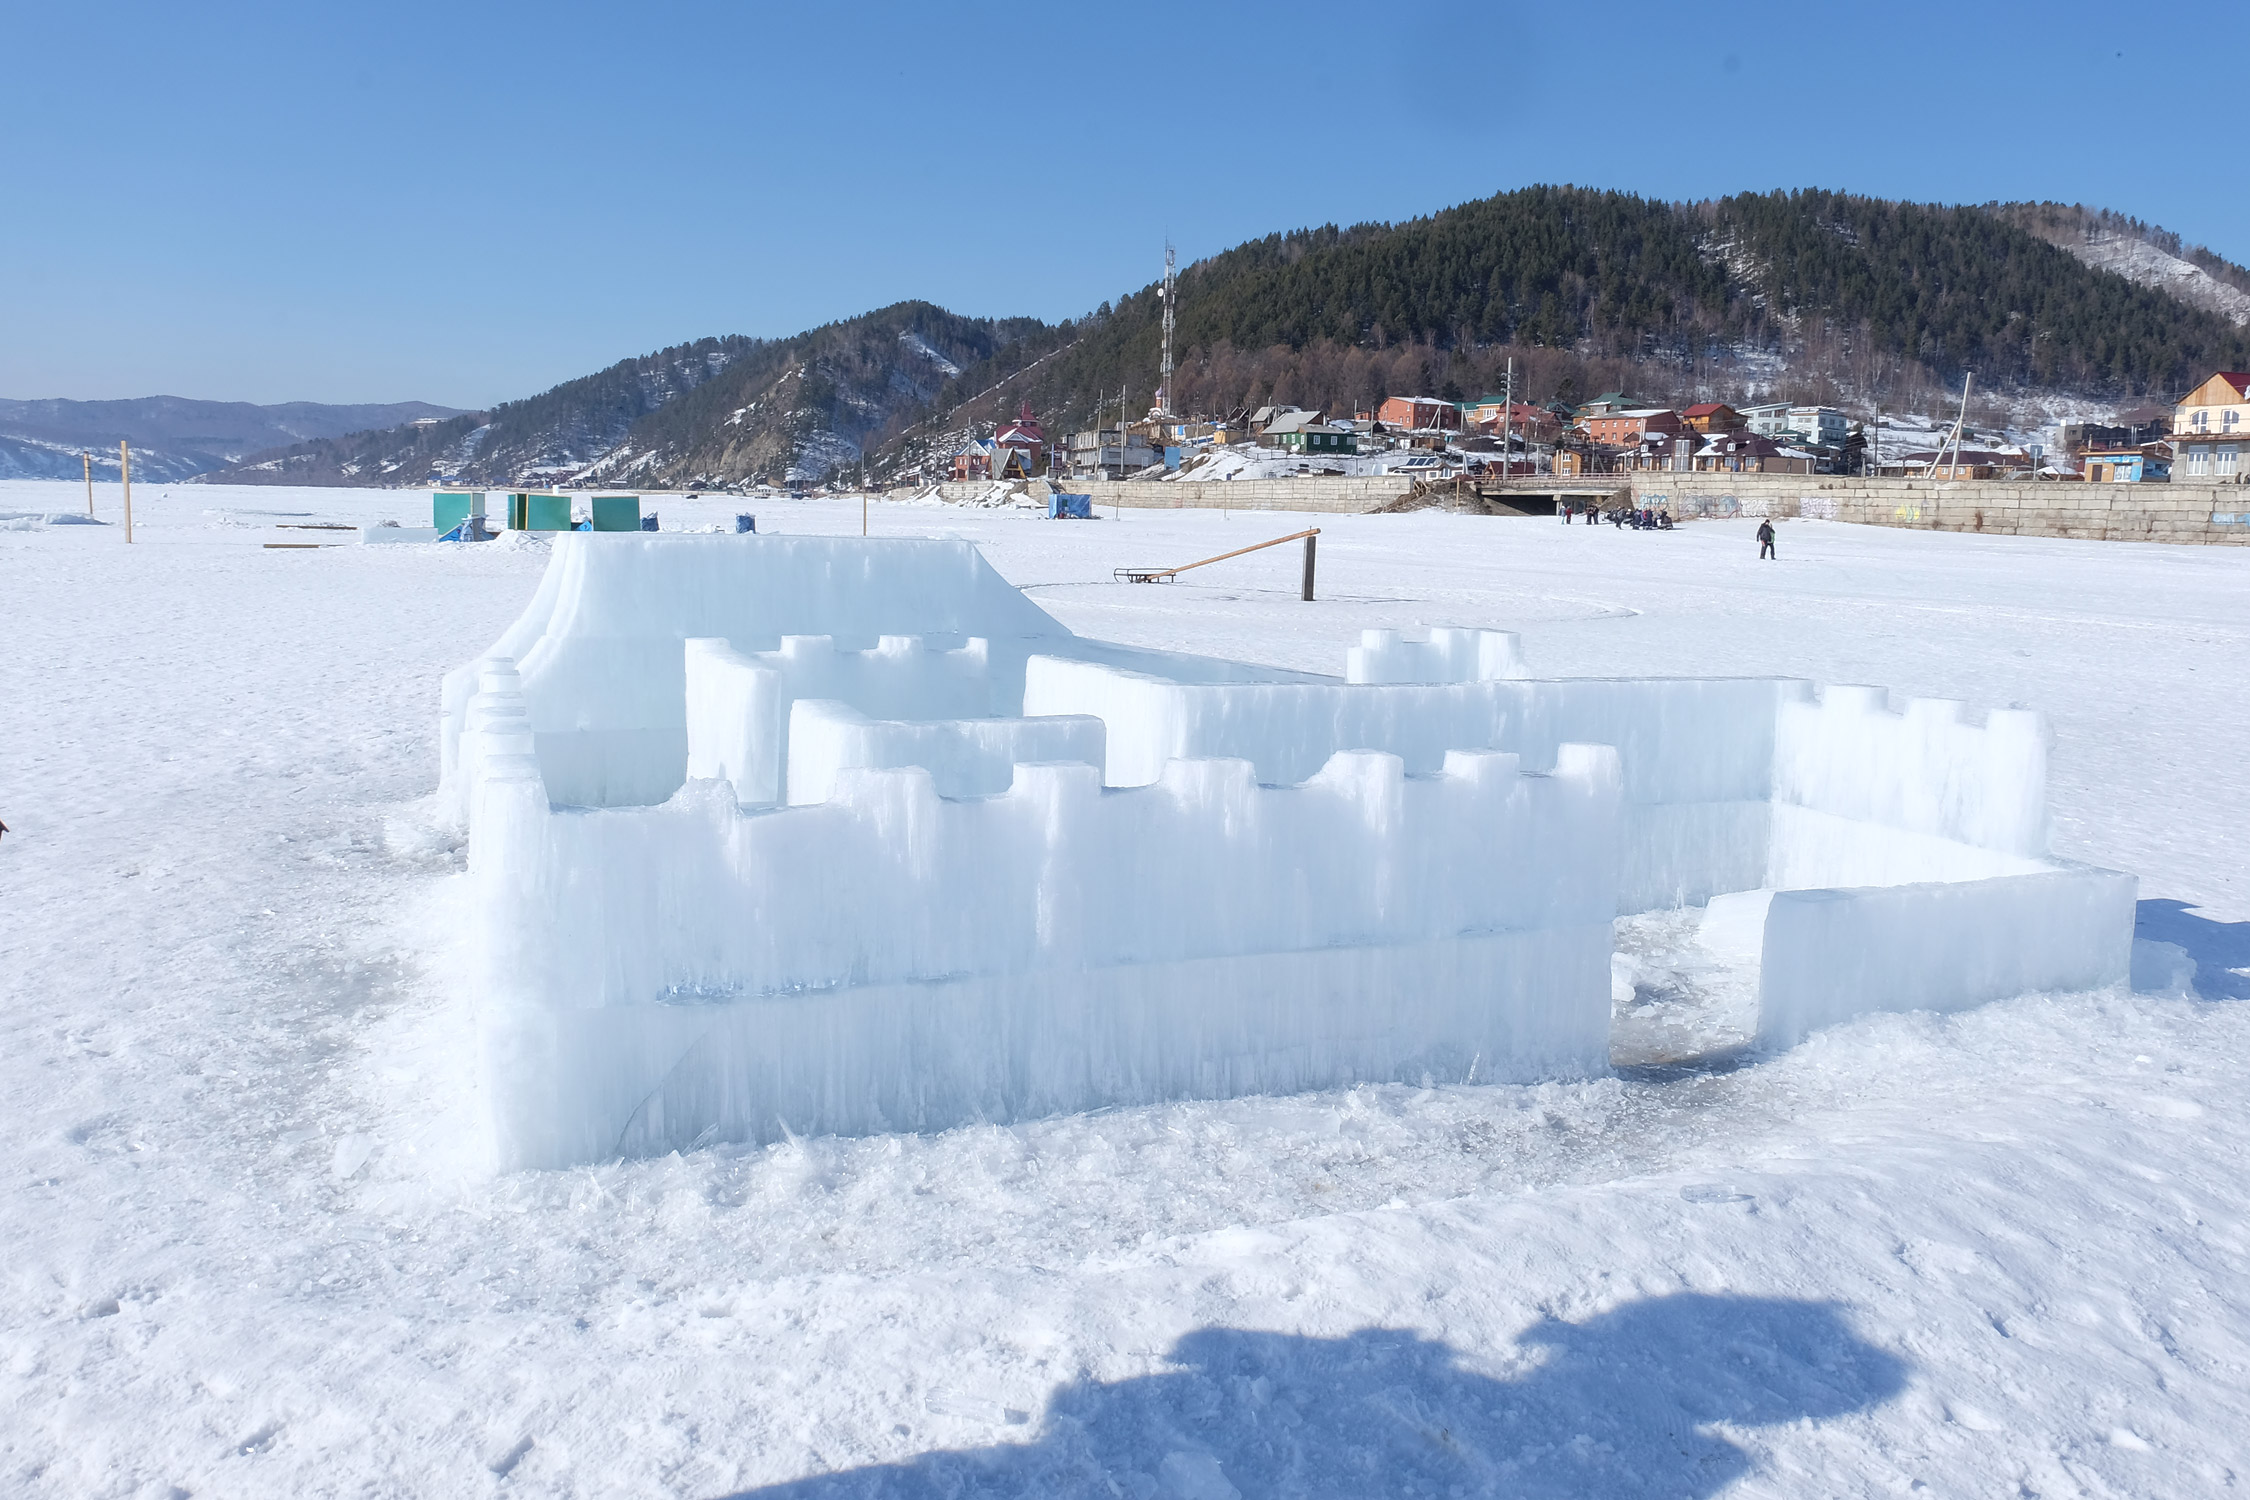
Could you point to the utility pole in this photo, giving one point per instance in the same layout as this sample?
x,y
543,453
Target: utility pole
x,y
89,459
1507,420
125,474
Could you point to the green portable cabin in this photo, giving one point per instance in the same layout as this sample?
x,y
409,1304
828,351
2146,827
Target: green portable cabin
x,y
530,510
617,512
449,508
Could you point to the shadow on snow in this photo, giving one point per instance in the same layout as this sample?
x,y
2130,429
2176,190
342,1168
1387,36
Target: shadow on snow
x,y
1622,1404
2220,949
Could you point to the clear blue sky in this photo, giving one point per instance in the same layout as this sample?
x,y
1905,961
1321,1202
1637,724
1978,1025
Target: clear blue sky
x,y
468,202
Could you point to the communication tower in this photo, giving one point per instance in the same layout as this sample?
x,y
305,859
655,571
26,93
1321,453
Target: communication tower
x,y
1169,295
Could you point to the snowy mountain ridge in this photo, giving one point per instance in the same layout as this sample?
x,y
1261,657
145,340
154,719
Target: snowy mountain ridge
x,y
1807,295
173,437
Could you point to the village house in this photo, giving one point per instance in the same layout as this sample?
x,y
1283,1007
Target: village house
x,y
1419,414
1625,429
1532,423
2210,427
1822,426
1708,417
1265,416
973,461
1750,453
1281,421
2147,463
1019,448
1323,438
1107,453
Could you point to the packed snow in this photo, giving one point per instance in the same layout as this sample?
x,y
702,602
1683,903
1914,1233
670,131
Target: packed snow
x,y
2000,1250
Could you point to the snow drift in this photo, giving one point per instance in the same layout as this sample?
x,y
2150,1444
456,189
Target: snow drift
x,y
828,835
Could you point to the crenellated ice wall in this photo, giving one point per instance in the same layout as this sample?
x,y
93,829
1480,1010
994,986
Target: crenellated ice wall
x,y
739,703
964,757
894,959
1441,654
832,835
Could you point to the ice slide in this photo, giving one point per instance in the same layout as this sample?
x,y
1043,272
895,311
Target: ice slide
x,y
836,835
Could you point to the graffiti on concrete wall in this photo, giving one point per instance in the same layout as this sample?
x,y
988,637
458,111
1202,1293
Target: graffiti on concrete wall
x,y
1817,507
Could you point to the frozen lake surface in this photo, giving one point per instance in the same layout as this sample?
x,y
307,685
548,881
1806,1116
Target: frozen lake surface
x,y
2000,1252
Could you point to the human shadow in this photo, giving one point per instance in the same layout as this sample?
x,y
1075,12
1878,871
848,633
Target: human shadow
x,y
2220,949
1627,1403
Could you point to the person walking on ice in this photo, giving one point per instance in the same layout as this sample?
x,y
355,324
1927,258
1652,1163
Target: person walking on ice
x,y
1765,541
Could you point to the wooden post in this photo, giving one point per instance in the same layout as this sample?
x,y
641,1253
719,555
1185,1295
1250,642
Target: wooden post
x,y
89,460
1310,542
125,474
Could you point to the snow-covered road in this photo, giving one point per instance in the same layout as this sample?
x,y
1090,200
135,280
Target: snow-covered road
x,y
2005,1252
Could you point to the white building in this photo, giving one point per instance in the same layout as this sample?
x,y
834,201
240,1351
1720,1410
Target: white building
x,y
1822,426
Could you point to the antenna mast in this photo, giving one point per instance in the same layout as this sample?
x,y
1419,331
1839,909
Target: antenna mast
x,y
1170,294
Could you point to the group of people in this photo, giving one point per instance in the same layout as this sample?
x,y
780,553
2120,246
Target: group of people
x,y
1643,519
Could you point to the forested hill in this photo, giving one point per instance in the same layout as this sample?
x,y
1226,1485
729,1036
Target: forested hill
x,y
1804,295
1847,296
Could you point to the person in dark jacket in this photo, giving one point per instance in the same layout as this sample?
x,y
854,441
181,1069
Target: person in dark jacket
x,y
1765,541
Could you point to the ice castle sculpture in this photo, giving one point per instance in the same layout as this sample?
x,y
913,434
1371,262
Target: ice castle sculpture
x,y
828,835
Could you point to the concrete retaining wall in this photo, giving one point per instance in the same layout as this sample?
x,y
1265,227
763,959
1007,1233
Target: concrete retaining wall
x,y
1333,496
2179,512
2095,512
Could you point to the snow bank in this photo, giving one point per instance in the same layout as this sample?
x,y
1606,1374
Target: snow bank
x,y
850,835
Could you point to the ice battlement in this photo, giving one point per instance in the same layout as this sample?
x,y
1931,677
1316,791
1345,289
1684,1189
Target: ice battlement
x,y
840,836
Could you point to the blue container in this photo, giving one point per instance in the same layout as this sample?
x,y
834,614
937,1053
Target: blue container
x,y
745,524
648,522
1070,507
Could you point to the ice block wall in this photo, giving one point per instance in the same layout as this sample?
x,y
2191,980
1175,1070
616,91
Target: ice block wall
x,y
965,757
1830,955
739,703
1910,869
850,836
1439,654
1956,800
894,959
1697,753
600,648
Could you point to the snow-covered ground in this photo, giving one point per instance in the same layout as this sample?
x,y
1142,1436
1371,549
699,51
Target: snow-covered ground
x,y
2005,1252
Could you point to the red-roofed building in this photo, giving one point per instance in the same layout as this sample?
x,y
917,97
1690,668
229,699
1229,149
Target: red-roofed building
x,y
1625,429
1020,446
1420,414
